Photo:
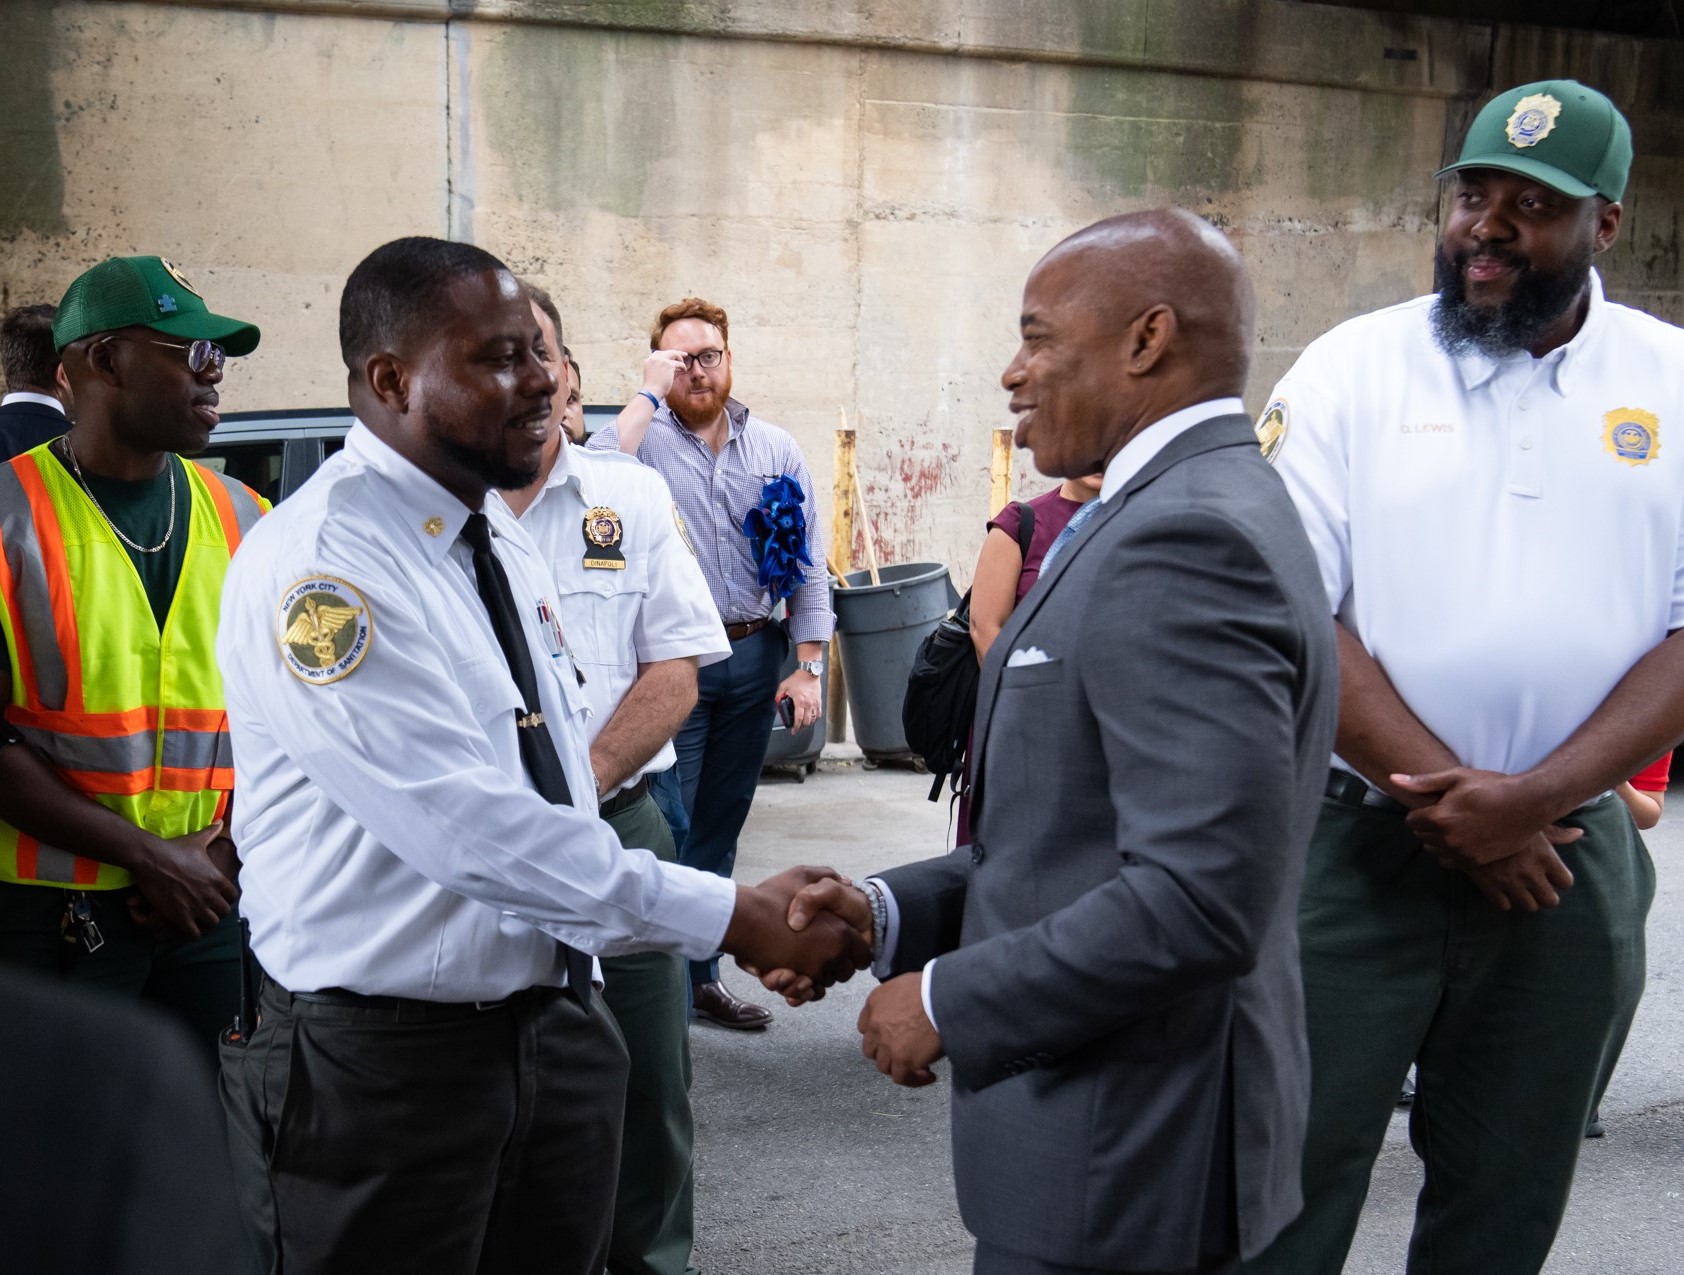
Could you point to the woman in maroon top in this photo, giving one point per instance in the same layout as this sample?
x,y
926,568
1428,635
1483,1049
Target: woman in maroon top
x,y
1003,575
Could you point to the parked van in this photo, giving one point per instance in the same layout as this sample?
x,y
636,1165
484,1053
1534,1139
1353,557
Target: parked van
x,y
274,452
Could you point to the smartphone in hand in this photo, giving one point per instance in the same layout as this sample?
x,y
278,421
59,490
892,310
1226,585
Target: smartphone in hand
x,y
786,710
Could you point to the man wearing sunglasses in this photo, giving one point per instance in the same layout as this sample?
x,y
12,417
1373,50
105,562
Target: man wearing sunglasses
x,y
115,768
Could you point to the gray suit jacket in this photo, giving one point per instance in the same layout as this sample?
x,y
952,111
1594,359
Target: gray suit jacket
x,y
1118,989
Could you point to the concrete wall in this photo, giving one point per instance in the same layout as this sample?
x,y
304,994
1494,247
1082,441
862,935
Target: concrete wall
x,y
862,183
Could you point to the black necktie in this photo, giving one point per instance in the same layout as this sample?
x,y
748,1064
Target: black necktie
x,y
537,748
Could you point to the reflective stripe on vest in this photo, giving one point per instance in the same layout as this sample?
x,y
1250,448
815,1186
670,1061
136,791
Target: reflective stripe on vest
x,y
129,716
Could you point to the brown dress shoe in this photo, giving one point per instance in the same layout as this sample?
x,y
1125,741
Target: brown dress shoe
x,y
718,1006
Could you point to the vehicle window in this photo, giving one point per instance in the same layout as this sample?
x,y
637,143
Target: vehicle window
x,y
257,465
331,445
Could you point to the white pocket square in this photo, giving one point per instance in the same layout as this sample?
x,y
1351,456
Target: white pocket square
x,y
1030,655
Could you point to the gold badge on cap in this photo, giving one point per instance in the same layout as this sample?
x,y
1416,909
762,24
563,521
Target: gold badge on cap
x,y
1631,435
1533,119
174,272
603,534
324,629
1271,429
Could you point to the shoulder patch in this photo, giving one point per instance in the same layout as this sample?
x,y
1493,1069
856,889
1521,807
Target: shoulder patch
x,y
683,530
1271,429
324,629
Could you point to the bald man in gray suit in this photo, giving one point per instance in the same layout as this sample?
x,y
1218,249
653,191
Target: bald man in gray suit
x,y
1112,965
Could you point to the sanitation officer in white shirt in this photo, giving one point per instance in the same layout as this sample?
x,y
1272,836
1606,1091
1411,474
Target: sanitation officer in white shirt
x,y
1493,480
637,620
432,1085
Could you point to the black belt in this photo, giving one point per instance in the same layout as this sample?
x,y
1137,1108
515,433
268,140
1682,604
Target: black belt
x,y
626,798
404,1009
737,630
1354,790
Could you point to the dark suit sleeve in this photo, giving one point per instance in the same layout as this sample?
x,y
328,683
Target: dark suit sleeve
x,y
1188,659
930,897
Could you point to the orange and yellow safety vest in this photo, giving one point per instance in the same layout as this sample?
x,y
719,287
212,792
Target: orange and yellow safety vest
x,y
130,716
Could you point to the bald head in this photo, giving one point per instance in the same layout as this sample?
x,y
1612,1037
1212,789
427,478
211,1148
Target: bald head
x,y
1130,263
1124,322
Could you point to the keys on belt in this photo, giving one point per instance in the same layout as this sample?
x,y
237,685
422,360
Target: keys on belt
x,y
78,924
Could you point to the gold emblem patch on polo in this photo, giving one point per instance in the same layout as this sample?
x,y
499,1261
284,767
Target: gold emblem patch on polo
x,y
1533,119
603,534
1631,435
1271,429
683,529
324,629
174,272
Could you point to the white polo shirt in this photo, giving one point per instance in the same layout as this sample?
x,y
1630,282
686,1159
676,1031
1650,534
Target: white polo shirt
x,y
656,607
1503,536
391,840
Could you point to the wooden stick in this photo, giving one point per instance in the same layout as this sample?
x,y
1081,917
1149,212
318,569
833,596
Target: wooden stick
x,y
1000,472
865,529
839,563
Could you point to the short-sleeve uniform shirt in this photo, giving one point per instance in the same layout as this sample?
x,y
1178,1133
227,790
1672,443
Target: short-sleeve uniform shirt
x,y
391,839
634,601
1503,535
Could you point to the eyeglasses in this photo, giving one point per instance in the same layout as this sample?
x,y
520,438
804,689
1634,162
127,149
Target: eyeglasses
x,y
707,358
200,354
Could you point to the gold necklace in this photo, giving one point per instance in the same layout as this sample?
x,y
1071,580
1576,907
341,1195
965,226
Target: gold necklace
x,y
109,522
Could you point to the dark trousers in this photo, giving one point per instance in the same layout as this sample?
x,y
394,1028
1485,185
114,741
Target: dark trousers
x,y
197,981
668,791
649,992
997,1261
442,1139
721,748
1512,1020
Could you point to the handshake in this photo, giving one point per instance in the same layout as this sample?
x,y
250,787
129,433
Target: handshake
x,y
808,928
801,931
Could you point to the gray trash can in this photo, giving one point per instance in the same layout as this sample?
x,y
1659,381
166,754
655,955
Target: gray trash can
x,y
798,750
881,626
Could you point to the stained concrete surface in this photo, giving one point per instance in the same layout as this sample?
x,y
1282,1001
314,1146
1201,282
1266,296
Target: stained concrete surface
x,y
809,1161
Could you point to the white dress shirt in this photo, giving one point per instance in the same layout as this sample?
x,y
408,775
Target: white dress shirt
x,y
656,607
391,840
1134,457
1505,537
30,396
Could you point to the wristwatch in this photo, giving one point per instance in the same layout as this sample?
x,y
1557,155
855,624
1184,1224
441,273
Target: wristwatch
x,y
815,667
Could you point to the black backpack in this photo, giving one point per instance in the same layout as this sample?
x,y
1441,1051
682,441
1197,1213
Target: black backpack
x,y
940,702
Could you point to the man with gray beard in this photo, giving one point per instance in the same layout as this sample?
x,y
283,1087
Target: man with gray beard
x,y
1490,483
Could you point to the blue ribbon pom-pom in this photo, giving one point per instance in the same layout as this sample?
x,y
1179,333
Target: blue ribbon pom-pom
x,y
777,530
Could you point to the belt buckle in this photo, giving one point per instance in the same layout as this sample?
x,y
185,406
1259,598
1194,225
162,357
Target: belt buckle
x,y
482,1006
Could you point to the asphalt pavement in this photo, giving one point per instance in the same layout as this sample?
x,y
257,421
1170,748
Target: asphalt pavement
x,y
809,1161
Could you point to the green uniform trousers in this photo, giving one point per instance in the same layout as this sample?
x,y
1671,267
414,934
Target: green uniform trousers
x,y
196,981
649,994
1511,1018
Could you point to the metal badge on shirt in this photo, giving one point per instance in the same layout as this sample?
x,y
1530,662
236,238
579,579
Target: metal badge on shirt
x,y
603,534
1631,435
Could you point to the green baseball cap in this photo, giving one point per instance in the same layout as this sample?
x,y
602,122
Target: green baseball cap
x,y
1559,132
146,292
